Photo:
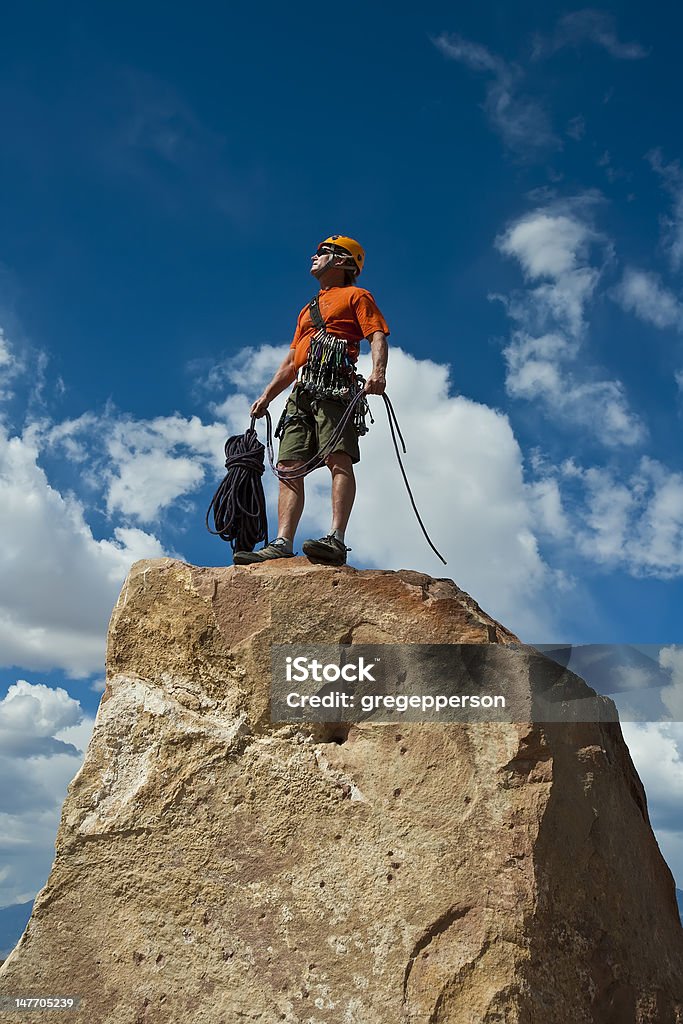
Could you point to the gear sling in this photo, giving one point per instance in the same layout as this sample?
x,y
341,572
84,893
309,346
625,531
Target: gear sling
x,y
329,372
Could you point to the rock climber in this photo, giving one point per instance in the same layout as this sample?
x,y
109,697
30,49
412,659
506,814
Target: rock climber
x,y
323,356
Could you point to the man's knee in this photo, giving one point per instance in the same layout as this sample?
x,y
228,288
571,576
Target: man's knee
x,y
297,483
340,462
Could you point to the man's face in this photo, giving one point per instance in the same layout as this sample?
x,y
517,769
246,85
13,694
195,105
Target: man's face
x,y
325,258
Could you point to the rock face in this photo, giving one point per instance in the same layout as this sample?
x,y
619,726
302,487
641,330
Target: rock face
x,y
213,867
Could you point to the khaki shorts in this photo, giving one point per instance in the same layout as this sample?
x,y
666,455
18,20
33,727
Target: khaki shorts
x,y
309,425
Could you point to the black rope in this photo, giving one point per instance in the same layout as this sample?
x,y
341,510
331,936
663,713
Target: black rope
x,y
239,504
228,496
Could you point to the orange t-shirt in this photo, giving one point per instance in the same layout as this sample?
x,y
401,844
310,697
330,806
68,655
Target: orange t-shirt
x,y
349,313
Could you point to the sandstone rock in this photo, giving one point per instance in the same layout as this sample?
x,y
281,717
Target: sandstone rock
x,y
213,867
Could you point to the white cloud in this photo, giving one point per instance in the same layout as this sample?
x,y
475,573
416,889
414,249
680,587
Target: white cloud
x,y
635,523
65,435
608,514
6,357
11,366
30,715
549,514
672,696
553,245
155,462
145,465
158,461
642,293
58,583
521,121
250,368
43,734
657,752
148,482
591,26
672,225
551,242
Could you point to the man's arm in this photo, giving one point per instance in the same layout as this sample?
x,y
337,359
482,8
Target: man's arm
x,y
284,375
376,382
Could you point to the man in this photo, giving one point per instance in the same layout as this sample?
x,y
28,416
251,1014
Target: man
x,y
312,413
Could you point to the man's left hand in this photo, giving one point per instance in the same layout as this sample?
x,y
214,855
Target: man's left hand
x,y
375,384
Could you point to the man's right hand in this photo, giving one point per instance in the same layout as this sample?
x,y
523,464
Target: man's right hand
x,y
259,407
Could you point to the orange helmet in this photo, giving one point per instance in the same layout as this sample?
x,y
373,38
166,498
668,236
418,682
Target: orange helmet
x,y
350,245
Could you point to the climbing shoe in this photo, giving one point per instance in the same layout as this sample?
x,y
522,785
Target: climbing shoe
x,y
276,549
327,550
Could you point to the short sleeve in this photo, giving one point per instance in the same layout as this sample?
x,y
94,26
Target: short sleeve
x,y
367,314
297,332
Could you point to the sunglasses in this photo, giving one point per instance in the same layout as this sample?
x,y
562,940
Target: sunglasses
x,y
329,250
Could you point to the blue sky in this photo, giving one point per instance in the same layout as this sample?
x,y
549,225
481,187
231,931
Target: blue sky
x,y
515,178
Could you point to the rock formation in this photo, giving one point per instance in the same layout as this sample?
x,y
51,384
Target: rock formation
x,y
213,867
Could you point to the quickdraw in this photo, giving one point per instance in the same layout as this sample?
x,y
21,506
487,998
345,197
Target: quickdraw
x,y
328,371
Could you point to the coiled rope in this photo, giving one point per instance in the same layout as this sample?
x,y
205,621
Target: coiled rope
x,y
239,505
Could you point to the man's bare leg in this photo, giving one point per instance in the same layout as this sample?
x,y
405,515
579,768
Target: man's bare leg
x,y
290,504
343,489
331,550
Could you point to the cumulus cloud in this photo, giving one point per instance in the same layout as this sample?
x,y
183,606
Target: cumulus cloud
x,y
554,246
146,482
657,752
145,465
58,583
550,516
643,294
30,715
588,26
634,523
43,733
521,120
